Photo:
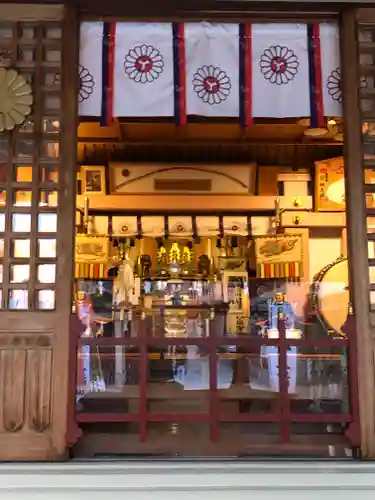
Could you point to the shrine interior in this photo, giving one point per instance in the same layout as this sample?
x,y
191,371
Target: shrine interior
x,y
195,273
211,284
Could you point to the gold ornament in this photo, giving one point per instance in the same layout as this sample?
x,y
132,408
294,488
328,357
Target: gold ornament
x,y
15,99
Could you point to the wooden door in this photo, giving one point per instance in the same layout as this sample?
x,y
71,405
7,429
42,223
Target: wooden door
x,y
37,172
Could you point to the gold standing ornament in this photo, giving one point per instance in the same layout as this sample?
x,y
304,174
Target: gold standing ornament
x,y
16,99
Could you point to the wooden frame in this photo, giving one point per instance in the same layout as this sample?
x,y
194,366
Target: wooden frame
x,y
93,180
51,341
200,180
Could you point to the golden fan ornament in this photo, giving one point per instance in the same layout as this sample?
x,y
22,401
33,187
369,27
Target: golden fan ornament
x,y
16,99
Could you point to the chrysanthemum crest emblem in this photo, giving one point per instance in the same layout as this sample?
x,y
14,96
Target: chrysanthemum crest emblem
x,y
144,64
334,84
86,83
279,64
211,84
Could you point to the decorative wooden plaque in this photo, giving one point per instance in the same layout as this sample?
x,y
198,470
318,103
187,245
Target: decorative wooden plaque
x,y
91,249
330,185
279,256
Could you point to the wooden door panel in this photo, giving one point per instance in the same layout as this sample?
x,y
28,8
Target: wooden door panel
x,y
37,187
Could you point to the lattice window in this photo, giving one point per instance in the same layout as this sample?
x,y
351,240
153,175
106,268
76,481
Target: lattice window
x,y
29,170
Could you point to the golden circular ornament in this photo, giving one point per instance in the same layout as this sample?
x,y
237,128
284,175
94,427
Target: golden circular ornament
x,y
16,99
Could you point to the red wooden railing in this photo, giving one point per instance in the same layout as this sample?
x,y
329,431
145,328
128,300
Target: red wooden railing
x,y
282,413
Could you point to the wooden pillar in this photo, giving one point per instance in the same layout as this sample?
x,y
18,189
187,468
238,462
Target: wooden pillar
x,y
356,228
66,221
34,337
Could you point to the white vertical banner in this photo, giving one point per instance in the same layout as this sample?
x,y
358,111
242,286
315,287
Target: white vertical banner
x,y
143,70
212,69
90,69
331,72
280,71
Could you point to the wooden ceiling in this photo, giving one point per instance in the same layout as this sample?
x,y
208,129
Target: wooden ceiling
x,y
277,143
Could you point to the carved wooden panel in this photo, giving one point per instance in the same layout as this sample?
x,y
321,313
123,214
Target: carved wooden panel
x,y
25,382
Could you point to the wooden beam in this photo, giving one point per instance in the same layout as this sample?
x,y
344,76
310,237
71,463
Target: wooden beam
x,y
21,12
356,229
187,203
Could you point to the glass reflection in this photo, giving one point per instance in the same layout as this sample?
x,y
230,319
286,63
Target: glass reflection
x,y
47,248
19,273
46,273
51,125
20,249
2,223
18,299
50,174
46,299
178,380
247,379
23,173
48,199
107,379
3,197
47,223
321,381
24,149
21,223
22,199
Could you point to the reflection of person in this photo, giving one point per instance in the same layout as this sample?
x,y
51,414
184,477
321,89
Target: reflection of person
x,y
93,181
84,312
259,307
279,308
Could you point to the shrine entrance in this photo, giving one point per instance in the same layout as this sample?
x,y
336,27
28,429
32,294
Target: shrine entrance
x,y
206,307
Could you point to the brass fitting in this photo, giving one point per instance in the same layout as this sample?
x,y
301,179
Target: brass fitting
x,y
297,202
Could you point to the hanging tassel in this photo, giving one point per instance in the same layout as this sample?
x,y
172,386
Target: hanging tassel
x,y
221,227
110,227
159,243
249,228
166,227
194,227
234,242
139,228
